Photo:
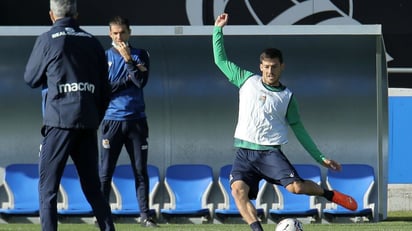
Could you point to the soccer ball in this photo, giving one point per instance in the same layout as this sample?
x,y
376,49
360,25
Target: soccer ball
x,y
289,224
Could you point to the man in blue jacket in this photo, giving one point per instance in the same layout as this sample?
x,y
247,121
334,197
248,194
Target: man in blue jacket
x,y
70,66
125,120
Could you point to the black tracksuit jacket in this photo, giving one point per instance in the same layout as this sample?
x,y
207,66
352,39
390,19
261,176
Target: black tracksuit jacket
x,y
70,65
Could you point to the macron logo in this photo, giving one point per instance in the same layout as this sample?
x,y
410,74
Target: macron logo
x,y
73,87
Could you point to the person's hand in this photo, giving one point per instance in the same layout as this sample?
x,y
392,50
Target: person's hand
x,y
331,164
221,20
124,51
141,67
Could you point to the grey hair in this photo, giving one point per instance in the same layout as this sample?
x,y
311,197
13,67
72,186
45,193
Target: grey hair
x,y
63,8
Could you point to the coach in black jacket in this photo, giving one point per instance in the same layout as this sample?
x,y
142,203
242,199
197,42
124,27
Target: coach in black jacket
x,y
70,66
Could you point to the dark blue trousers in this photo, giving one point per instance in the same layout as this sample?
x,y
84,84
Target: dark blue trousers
x,y
81,145
133,135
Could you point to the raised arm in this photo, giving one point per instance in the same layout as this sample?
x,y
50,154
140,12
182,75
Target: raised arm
x,y
234,73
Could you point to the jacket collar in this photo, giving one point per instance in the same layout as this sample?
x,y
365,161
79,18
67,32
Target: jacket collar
x,y
66,22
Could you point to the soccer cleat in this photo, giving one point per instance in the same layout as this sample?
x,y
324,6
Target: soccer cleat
x,y
149,223
344,200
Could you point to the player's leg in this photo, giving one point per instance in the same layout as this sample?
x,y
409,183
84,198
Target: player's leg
x,y
311,188
111,144
305,187
240,191
282,169
53,158
85,157
245,186
137,148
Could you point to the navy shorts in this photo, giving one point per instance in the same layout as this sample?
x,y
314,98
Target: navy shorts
x,y
251,166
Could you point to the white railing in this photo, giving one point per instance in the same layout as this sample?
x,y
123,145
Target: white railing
x,y
402,70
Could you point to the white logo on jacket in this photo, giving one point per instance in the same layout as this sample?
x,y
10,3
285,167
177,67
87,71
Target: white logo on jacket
x,y
73,87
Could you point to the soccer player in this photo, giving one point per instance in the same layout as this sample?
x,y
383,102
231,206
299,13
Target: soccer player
x,y
266,109
125,120
70,65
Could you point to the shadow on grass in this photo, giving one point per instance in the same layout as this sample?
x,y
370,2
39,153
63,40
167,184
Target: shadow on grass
x,y
400,218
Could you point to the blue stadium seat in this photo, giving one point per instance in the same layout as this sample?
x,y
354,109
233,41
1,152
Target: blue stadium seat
x,y
123,185
188,186
73,200
228,207
21,184
356,180
297,205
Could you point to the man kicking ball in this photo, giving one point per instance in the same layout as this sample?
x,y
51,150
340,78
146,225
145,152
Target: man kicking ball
x,y
266,109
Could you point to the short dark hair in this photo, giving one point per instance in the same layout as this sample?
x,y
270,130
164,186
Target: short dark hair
x,y
119,20
271,53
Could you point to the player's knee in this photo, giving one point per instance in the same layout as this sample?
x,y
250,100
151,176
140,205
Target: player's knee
x,y
238,190
296,187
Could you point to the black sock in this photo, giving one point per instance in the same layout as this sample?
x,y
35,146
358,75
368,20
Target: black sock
x,y
255,226
328,194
